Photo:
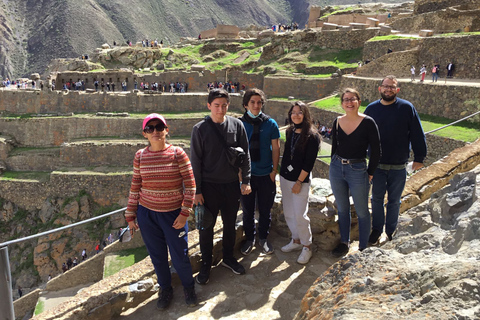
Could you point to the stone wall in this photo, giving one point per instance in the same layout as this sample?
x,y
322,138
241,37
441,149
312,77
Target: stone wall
x,y
91,270
54,131
197,81
105,189
14,102
26,304
397,63
346,19
422,6
452,102
227,31
107,154
315,13
208,34
430,51
306,89
443,21
457,48
376,49
334,39
439,147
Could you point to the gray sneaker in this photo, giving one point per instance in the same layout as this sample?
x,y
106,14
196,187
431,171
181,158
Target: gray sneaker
x,y
266,246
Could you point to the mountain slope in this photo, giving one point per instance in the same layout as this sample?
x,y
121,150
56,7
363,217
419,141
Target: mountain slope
x,y
37,31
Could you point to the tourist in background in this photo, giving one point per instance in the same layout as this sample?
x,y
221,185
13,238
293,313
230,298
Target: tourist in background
x,y
161,199
301,149
423,72
434,73
352,134
264,145
412,71
400,127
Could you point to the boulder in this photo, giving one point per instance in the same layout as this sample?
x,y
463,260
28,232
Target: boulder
x,y
197,67
105,46
425,33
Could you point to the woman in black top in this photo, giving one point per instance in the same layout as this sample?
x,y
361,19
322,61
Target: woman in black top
x,y
301,149
352,134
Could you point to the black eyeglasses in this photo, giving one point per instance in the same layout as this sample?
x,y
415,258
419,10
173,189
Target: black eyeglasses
x,y
346,100
150,128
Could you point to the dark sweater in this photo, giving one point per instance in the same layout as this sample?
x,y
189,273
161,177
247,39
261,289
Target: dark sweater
x,y
399,126
207,155
355,145
301,160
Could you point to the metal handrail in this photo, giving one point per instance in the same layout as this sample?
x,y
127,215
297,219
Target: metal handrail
x,y
4,244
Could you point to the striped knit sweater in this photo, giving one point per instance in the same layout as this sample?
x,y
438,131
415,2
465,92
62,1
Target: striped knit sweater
x,y
162,181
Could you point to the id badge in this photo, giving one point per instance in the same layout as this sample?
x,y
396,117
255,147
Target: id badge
x,y
289,168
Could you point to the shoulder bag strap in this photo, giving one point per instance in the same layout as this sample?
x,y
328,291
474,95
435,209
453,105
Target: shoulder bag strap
x,y
210,122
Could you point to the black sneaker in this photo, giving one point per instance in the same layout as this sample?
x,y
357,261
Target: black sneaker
x,y
266,246
390,236
374,236
233,265
247,247
204,275
190,296
166,296
340,250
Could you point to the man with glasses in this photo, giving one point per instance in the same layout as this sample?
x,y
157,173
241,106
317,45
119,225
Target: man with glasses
x,y
400,127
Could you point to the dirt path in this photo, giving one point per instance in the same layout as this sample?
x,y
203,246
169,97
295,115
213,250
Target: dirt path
x,y
272,288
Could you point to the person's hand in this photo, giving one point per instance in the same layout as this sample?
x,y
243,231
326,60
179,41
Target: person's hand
x,y
179,223
245,189
133,227
198,199
272,175
297,187
370,178
416,166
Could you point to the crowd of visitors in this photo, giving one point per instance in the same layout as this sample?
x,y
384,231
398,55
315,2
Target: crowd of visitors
x,y
285,27
22,84
229,86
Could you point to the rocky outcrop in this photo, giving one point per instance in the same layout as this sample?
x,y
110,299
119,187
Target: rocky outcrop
x,y
430,269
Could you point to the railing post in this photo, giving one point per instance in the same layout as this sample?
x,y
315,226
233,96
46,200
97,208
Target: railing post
x,y
6,298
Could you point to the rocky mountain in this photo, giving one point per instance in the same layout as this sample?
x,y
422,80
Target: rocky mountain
x,y
35,32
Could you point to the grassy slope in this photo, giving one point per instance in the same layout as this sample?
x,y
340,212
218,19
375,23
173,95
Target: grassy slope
x,y
463,131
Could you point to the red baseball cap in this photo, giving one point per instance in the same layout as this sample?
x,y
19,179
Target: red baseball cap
x,y
153,116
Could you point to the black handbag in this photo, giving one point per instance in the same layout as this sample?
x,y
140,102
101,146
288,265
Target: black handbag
x,y
235,155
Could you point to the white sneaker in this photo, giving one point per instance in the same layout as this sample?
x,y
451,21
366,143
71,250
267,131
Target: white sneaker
x,y
304,256
292,246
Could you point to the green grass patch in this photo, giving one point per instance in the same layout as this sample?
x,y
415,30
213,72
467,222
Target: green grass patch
x,y
390,37
248,44
124,259
463,131
461,34
39,307
32,176
348,9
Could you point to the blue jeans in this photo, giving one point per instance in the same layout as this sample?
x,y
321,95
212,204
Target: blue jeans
x,y
434,77
347,179
158,233
263,191
393,182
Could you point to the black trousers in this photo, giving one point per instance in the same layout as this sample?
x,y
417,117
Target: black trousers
x,y
223,197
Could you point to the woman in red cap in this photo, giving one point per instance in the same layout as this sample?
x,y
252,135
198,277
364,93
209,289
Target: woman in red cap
x,y
161,199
